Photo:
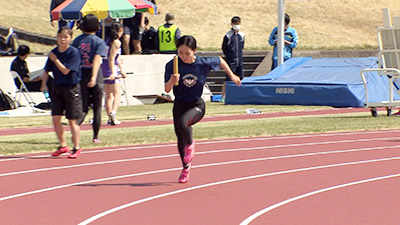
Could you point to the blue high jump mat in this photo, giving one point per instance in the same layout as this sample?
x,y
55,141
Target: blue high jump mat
x,y
332,82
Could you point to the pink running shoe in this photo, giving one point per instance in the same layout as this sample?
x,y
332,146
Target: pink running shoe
x,y
189,153
184,177
60,150
96,141
74,153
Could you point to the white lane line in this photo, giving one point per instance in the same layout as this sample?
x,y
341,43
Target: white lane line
x,y
105,213
154,172
206,152
140,147
261,212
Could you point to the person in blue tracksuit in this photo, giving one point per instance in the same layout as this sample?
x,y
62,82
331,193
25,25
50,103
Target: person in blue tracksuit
x,y
290,38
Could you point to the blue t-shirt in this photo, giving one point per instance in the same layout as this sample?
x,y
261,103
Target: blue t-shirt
x,y
89,45
71,59
192,76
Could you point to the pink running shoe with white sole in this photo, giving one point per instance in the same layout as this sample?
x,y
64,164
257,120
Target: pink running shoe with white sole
x,y
60,150
184,177
74,153
189,153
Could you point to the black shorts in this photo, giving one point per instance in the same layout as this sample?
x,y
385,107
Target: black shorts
x,y
237,70
133,32
67,98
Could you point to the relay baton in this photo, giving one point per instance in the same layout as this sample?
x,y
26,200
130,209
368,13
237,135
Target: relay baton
x,y
176,70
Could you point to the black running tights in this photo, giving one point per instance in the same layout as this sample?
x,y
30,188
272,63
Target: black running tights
x,y
185,115
92,96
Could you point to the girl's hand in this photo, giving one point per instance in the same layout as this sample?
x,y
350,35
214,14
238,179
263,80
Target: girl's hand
x,y
122,75
236,80
52,56
111,77
175,78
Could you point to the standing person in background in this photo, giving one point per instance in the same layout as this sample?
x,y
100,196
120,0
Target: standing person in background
x,y
133,28
92,49
167,35
187,85
61,22
149,38
113,72
65,61
290,42
232,47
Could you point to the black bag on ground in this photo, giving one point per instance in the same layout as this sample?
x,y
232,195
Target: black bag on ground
x,y
6,103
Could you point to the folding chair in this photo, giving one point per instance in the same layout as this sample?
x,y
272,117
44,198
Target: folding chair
x,y
22,90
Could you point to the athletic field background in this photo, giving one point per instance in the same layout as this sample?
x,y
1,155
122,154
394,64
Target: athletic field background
x,y
321,24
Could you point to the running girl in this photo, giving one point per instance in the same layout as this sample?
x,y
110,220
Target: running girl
x,y
187,86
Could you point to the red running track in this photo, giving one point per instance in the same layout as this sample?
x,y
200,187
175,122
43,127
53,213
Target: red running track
x,y
332,178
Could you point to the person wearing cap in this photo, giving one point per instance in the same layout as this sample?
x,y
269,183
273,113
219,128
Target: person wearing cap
x,y
167,35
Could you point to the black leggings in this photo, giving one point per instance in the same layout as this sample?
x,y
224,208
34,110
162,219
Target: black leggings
x,y
92,96
185,115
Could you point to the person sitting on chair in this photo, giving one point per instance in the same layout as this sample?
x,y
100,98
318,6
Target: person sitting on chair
x,y
20,66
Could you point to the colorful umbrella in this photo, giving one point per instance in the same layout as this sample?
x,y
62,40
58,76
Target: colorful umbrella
x,y
76,9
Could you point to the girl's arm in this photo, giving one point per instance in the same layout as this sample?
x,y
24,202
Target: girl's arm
x,y
229,72
121,67
95,70
170,84
116,44
64,70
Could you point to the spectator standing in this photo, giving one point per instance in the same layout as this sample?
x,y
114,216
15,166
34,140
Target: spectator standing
x,y
232,47
133,28
187,85
113,72
61,22
290,42
64,61
92,49
167,35
149,38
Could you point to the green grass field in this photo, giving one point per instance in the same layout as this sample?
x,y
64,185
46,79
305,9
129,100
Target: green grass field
x,y
33,143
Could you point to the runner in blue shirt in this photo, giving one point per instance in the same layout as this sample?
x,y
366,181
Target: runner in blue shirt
x,y
189,108
64,61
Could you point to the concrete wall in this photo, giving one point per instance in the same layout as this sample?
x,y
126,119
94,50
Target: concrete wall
x,y
147,78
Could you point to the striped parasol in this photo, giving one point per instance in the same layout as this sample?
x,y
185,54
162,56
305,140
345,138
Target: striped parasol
x,y
76,9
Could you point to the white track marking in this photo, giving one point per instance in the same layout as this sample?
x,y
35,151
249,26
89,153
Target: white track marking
x,y
151,172
208,152
211,142
105,213
261,212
